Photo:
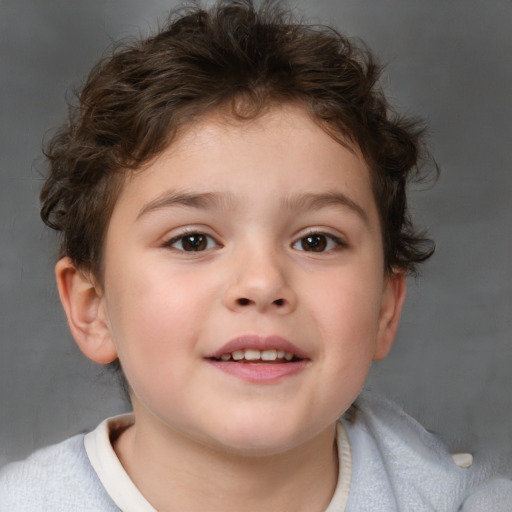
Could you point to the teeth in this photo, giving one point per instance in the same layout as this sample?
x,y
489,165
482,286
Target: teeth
x,y
257,355
252,355
238,354
269,355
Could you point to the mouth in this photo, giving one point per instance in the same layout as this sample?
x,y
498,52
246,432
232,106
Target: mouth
x,y
254,356
254,348
259,358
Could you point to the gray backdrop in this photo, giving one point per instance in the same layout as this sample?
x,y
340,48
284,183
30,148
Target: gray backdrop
x,y
447,61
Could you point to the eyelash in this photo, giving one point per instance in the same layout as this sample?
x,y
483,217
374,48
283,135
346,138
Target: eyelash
x,y
326,238
189,234
324,242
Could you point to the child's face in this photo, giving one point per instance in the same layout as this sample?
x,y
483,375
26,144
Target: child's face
x,y
261,235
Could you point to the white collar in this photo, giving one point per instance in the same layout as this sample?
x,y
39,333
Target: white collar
x,y
111,473
128,498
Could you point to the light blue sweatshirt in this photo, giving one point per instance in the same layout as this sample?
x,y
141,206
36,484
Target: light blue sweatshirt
x,y
397,466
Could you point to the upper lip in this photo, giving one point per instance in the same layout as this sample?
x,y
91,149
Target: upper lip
x,y
257,342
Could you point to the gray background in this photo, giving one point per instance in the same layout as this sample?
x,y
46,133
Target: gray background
x,y
448,61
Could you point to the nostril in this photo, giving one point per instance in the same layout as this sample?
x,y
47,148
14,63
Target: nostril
x,y
243,301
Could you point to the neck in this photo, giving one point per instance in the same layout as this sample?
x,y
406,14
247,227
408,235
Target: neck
x,y
174,472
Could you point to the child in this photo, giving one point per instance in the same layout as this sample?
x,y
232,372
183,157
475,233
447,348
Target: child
x,y
235,237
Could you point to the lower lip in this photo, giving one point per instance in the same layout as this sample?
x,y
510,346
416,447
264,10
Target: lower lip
x,y
260,372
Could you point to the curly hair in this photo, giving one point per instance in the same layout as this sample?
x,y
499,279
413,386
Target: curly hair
x,y
244,58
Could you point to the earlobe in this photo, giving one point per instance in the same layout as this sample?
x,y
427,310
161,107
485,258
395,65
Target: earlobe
x,y
393,297
83,302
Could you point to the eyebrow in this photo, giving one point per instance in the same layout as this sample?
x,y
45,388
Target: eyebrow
x,y
214,200
317,201
204,201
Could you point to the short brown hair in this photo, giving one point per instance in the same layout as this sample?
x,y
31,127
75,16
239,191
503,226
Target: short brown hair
x,y
237,56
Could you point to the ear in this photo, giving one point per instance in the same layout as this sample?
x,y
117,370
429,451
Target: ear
x,y
84,304
393,296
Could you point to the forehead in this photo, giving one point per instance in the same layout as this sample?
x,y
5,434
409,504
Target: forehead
x,y
280,154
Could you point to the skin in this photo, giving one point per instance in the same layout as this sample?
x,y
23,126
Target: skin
x,y
204,439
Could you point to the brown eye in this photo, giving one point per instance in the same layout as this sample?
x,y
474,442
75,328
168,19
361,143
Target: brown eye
x,y
193,242
318,242
315,243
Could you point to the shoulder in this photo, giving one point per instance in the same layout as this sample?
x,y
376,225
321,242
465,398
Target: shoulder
x,y
401,463
55,478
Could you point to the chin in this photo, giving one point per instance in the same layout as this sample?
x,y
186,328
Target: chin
x,y
257,440
258,448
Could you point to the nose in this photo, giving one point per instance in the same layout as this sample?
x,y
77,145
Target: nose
x,y
260,282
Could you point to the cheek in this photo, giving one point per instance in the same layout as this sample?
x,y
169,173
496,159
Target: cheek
x,y
156,317
347,301
347,315
145,317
